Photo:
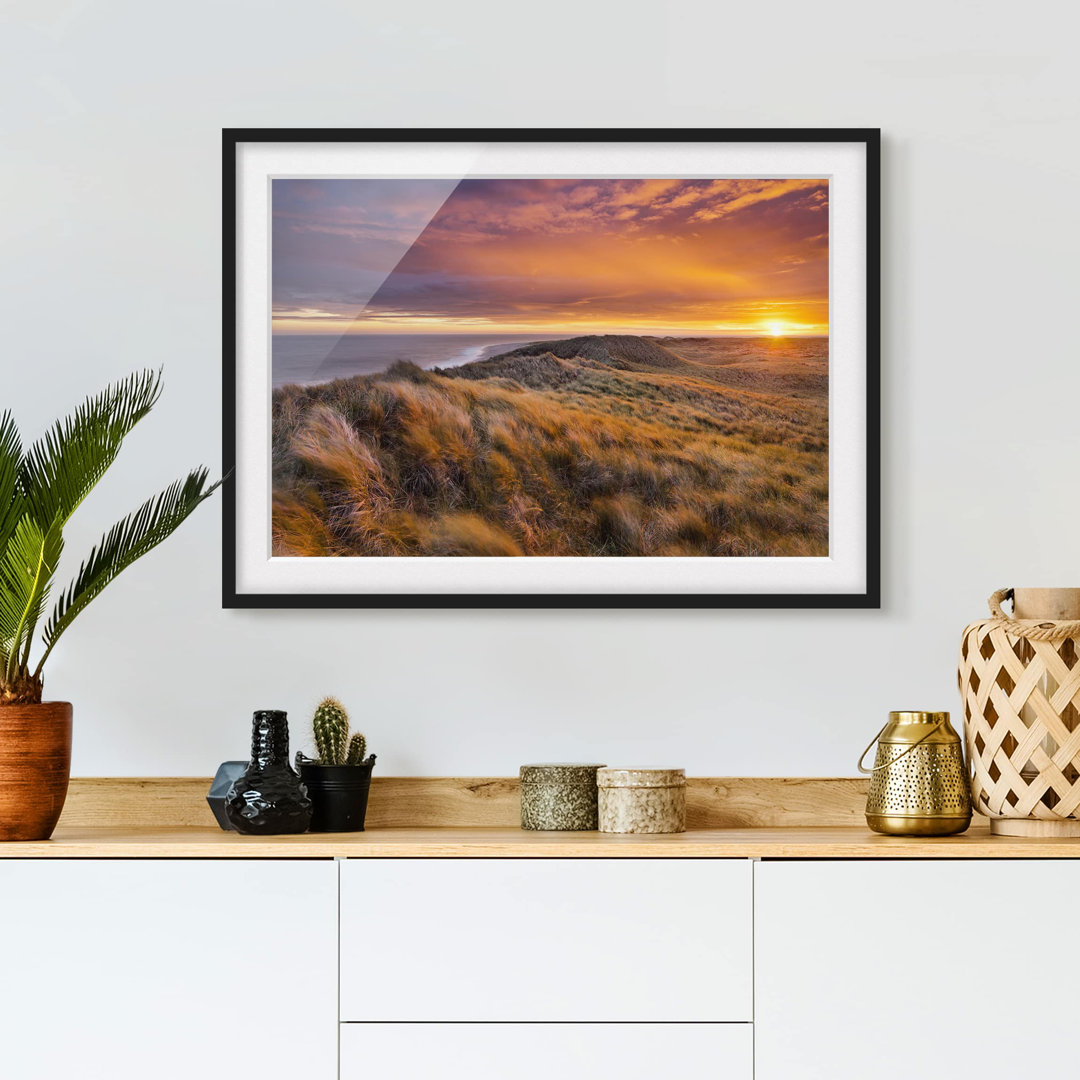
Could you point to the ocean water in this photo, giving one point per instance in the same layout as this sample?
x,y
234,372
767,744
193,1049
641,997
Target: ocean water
x,y
315,358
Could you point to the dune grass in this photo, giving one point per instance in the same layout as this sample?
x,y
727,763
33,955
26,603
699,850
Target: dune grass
x,y
593,446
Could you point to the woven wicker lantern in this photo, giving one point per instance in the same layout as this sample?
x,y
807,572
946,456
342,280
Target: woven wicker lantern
x,y
1020,685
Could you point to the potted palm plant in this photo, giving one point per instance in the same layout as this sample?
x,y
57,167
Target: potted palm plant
x,y
40,488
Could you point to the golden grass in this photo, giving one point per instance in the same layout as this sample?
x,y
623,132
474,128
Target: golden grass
x,y
592,447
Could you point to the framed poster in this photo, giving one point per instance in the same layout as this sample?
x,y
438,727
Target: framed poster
x,y
551,368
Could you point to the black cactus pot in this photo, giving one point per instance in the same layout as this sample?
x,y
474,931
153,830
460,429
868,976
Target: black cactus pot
x,y
339,795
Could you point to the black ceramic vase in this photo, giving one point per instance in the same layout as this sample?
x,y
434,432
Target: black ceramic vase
x,y
269,798
339,794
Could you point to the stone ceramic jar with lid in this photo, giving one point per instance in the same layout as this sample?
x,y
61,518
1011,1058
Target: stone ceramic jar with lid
x,y
642,800
559,797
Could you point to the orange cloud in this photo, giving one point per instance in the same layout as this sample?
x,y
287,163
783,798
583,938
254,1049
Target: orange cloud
x,y
710,255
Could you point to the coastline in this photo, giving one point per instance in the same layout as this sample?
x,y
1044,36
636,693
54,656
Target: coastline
x,y
344,358
448,354
610,445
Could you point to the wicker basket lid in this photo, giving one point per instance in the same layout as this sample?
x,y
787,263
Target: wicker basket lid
x,y
559,772
647,778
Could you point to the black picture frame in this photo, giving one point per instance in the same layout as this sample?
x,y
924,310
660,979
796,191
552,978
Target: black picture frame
x,y
868,598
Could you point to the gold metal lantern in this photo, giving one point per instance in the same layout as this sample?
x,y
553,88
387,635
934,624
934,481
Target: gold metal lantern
x,y
918,785
1019,681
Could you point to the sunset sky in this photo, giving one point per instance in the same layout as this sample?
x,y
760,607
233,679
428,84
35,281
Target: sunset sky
x,y
558,256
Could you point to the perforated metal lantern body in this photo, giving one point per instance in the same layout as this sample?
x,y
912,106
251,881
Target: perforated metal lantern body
x,y
918,785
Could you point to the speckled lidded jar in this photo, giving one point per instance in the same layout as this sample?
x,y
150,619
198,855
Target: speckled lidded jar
x,y
560,797
642,800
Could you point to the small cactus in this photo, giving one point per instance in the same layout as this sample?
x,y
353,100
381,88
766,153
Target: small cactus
x,y
330,725
357,746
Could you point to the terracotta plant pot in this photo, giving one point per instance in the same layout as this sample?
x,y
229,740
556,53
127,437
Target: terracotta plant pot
x,y
35,764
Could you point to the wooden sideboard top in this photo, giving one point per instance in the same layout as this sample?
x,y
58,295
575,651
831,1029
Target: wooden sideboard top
x,y
805,842
473,802
463,817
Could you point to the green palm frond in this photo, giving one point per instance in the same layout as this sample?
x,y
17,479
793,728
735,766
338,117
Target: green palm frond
x,y
27,565
10,459
62,467
40,489
129,539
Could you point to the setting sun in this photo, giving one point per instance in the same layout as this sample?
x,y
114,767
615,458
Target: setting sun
x,y
575,367
551,256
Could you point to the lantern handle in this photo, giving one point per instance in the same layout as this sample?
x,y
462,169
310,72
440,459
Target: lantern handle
x,y
1053,630
876,768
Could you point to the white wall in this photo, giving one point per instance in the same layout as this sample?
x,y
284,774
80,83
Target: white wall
x,y
109,260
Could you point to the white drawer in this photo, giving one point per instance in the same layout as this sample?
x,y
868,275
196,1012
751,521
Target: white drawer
x,y
126,969
541,1051
546,939
893,969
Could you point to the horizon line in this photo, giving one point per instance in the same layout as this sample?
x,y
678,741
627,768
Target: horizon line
x,y
558,332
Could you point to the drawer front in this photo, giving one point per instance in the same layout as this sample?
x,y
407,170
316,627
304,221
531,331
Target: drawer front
x,y
543,1051
898,969
546,939
130,969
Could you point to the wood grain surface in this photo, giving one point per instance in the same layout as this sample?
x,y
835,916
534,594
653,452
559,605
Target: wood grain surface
x,y
838,842
455,802
462,817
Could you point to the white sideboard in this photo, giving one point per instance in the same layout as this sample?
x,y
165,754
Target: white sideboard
x,y
903,969
411,968
171,969
546,940
546,1051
